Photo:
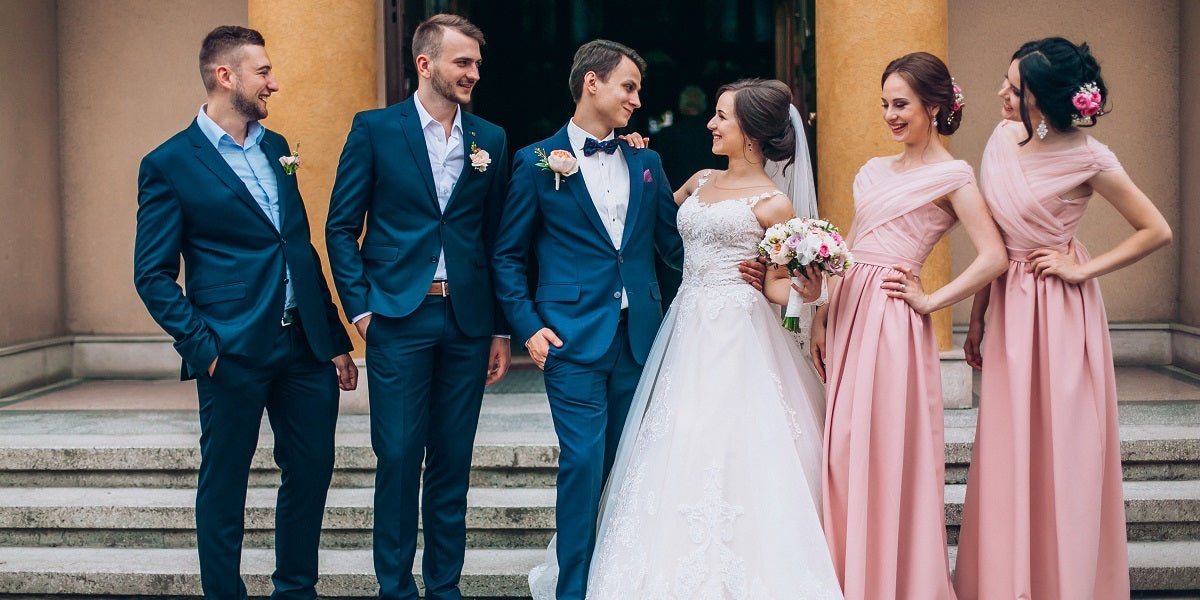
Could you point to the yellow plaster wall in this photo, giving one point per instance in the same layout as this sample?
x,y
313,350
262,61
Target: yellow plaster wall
x,y
855,41
1138,45
326,74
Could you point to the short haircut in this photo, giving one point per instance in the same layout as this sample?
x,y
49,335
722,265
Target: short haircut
x,y
427,39
600,57
220,47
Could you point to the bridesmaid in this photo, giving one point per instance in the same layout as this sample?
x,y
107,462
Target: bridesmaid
x,y
884,460
1044,506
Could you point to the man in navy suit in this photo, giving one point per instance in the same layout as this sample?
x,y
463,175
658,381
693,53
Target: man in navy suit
x,y
592,319
429,180
257,328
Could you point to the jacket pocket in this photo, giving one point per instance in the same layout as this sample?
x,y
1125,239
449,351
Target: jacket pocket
x,y
219,293
558,292
377,252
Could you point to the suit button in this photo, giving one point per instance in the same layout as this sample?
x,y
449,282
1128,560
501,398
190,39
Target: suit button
x,y
617,295
432,259
284,242
443,221
621,258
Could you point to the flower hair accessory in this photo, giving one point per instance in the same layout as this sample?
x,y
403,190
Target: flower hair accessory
x,y
1087,102
959,101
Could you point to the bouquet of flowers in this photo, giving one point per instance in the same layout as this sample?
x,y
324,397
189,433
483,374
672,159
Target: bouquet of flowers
x,y
801,242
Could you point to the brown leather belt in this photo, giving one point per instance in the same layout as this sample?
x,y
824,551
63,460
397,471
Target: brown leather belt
x,y
439,288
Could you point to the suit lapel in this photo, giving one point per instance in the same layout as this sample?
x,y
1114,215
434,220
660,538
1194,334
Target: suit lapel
x,y
284,184
636,183
577,186
212,159
469,136
411,125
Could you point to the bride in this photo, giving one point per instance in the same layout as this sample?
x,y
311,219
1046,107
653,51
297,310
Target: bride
x,y
715,492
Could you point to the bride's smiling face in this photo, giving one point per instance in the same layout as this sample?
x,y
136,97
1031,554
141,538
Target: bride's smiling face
x,y
726,132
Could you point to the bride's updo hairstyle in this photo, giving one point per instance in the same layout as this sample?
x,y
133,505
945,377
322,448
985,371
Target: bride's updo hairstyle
x,y
761,107
928,76
1057,71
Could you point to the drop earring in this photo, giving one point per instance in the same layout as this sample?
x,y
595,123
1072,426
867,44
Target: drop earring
x,y
1042,130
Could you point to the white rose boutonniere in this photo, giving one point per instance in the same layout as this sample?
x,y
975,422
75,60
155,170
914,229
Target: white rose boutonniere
x,y
291,162
559,162
480,159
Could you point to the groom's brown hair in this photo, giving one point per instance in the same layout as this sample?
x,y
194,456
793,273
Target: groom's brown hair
x,y
600,57
219,47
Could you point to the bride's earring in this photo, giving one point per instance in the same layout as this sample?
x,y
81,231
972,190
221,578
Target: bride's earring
x,y
1042,130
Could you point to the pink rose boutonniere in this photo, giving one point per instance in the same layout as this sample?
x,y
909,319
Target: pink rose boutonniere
x,y
559,162
480,159
291,162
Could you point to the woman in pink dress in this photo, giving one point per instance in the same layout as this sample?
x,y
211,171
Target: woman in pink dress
x,y
883,449
1044,515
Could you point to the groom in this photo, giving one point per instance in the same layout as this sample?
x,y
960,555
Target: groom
x,y
592,319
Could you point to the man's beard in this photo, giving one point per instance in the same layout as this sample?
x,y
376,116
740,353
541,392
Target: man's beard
x,y
247,106
445,87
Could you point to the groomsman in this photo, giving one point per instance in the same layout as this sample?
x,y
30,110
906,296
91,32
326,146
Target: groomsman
x,y
428,179
257,328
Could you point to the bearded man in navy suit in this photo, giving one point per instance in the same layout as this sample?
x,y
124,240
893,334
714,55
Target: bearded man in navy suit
x,y
257,328
428,180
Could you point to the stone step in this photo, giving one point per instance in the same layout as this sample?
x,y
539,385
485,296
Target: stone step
x,y
496,518
525,459
107,572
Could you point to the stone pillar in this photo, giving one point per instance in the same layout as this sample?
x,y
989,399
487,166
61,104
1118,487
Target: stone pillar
x,y
325,55
855,41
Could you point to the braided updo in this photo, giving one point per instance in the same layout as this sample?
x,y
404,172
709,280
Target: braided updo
x,y
761,109
928,76
1054,69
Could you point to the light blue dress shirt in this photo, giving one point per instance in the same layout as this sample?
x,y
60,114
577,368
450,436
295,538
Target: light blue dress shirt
x,y
252,165
446,158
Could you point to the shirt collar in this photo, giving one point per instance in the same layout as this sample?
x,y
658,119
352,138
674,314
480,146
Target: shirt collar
x,y
214,133
578,136
426,118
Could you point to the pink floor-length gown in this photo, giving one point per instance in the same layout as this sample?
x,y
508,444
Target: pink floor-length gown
x,y
884,459
1044,514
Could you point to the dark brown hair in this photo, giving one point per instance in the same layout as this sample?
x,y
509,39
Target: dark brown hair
x,y
928,76
761,108
599,57
220,46
427,39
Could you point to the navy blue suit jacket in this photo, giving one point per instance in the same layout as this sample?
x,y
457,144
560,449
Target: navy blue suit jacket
x,y
384,176
192,204
580,272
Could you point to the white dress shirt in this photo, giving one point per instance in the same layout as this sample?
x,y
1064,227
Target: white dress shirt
x,y
607,179
446,157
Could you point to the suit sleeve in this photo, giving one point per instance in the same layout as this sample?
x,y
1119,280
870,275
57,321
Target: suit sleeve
x,y
348,205
511,256
156,256
666,231
494,210
337,333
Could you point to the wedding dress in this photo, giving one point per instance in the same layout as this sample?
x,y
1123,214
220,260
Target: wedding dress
x,y
716,493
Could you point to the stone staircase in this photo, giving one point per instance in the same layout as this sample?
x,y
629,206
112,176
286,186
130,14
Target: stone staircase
x,y
99,503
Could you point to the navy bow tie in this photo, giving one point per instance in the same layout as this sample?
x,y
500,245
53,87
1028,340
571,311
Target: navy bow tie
x,y
591,146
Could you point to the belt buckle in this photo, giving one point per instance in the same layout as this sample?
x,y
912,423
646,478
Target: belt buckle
x,y
285,321
445,292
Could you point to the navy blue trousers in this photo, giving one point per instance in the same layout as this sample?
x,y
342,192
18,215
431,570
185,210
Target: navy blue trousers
x,y
300,396
589,403
426,388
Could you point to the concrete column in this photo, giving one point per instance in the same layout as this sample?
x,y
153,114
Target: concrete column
x,y
325,55
855,41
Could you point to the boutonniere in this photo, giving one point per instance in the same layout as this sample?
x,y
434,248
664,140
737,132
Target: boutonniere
x,y
646,177
480,159
560,162
291,162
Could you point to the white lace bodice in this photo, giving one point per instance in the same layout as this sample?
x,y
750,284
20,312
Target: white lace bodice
x,y
718,236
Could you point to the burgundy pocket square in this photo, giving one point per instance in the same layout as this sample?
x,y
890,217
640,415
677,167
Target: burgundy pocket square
x,y
646,176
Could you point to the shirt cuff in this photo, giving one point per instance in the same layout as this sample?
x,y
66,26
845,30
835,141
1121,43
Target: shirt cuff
x,y
360,317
